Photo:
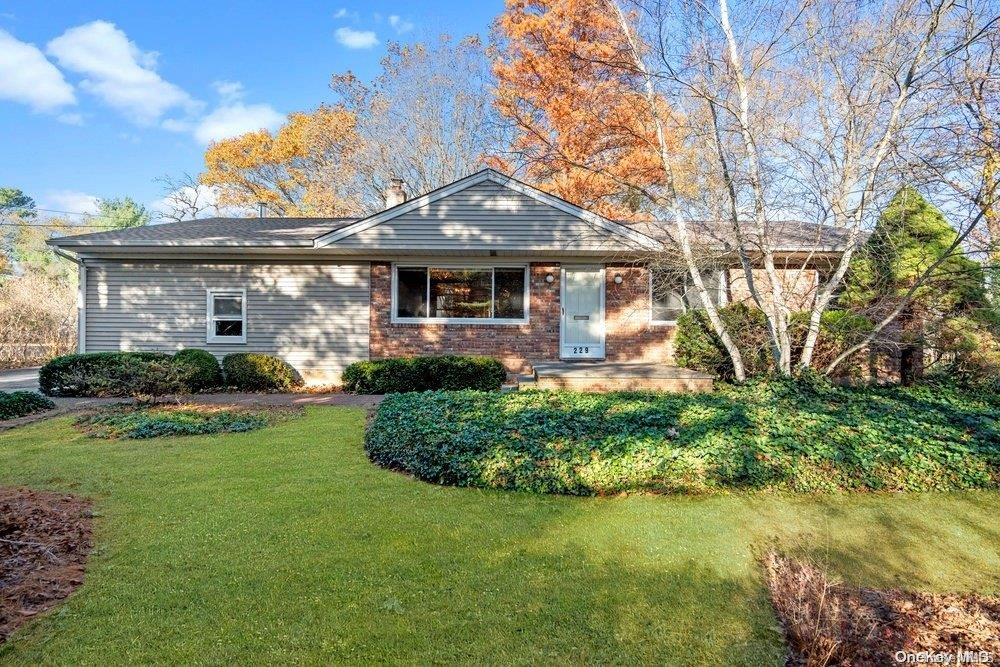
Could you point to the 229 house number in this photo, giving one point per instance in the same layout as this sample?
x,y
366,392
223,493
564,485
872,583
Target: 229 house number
x,y
581,350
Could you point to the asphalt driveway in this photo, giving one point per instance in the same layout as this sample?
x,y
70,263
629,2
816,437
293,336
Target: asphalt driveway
x,y
19,379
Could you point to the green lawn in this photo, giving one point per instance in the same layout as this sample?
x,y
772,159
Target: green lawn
x,y
286,545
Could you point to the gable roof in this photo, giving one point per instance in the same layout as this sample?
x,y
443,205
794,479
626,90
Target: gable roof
x,y
518,217
630,237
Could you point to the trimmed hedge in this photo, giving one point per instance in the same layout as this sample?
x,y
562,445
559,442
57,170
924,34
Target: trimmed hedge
x,y
450,373
20,403
110,374
157,374
200,369
252,371
788,435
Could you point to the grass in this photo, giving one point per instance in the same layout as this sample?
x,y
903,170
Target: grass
x,y
288,545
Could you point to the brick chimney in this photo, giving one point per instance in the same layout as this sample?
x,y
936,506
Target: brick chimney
x,y
395,194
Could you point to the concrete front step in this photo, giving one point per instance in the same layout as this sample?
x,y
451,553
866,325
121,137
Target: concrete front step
x,y
618,376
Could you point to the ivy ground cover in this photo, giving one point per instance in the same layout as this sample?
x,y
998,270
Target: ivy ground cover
x,y
795,436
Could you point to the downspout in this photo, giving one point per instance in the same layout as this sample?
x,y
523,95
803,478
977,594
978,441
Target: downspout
x,y
81,298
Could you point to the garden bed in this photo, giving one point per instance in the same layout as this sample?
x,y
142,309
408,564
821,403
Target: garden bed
x,y
828,622
796,436
45,538
143,421
17,404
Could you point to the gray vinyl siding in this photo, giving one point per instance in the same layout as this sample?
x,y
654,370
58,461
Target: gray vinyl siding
x,y
315,316
487,216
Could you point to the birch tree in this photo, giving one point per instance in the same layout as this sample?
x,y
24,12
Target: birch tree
x,y
816,111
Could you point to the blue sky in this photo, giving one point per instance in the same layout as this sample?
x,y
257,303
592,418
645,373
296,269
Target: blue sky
x,y
99,98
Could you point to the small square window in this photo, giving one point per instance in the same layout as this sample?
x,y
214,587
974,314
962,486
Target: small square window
x,y
671,293
227,316
666,296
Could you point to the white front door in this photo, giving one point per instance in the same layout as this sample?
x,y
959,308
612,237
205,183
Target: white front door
x,y
582,331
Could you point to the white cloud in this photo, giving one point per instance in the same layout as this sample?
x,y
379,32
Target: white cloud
x,y
400,25
236,119
70,118
229,91
71,201
26,76
356,39
343,13
118,72
177,125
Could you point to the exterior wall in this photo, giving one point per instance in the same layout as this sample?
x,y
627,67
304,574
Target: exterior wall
x,y
486,216
629,336
514,344
800,286
628,333
315,315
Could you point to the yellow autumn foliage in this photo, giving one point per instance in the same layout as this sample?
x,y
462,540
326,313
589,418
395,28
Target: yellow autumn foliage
x,y
301,169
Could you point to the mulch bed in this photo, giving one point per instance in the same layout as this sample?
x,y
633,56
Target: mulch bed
x,y
830,623
45,538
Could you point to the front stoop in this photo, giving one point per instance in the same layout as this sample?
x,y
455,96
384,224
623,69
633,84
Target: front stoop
x,y
619,376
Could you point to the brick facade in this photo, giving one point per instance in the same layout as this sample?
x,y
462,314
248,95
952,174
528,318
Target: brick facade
x,y
799,286
629,336
514,344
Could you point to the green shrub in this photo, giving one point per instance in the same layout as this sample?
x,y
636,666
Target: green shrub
x,y
838,330
252,371
385,376
796,435
697,347
971,354
110,374
140,422
20,403
200,369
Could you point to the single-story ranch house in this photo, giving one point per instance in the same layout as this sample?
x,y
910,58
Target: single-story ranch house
x,y
486,265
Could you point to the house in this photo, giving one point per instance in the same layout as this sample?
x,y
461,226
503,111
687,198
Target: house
x,y
486,265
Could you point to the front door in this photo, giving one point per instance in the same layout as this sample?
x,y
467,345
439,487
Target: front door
x,y
582,330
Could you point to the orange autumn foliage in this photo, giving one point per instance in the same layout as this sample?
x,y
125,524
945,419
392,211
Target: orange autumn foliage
x,y
582,125
301,169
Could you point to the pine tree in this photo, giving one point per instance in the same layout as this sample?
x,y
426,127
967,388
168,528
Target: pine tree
x,y
909,237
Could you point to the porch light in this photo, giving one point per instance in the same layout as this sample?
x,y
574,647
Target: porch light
x,y
618,279
549,277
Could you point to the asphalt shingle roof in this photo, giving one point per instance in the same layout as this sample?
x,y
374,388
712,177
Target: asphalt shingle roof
x,y
788,235
252,232
301,232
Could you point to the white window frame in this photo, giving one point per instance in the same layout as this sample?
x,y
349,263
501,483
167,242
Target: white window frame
x,y
210,316
460,320
723,286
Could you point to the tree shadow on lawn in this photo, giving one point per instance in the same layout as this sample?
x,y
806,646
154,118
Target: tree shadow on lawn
x,y
668,613
918,541
536,579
